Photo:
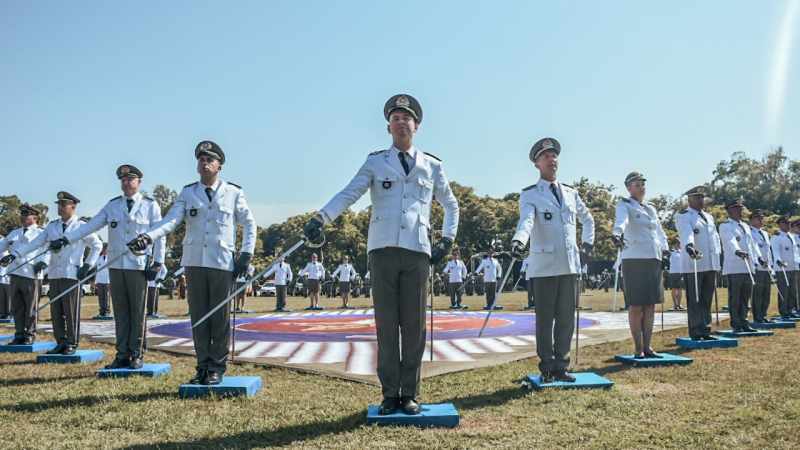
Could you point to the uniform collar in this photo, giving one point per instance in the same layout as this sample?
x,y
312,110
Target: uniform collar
x,y
546,184
136,197
69,222
412,153
214,187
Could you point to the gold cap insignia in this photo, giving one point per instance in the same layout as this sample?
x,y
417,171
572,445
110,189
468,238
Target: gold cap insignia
x,y
206,146
402,101
701,190
547,144
60,195
124,169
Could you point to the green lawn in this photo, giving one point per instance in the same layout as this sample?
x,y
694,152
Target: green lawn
x,y
743,397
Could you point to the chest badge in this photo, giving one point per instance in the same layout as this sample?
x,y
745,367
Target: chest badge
x,y
738,238
696,231
548,216
387,184
193,212
113,224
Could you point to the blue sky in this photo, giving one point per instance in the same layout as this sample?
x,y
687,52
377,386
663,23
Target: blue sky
x,y
293,91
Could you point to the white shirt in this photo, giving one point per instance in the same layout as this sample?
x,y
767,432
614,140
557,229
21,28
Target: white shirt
x,y
736,236
692,229
283,274
639,224
457,270
761,239
14,241
162,272
783,245
102,276
65,263
314,270
491,270
346,273
675,261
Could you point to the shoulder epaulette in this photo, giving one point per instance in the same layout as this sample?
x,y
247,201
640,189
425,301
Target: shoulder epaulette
x,y
626,200
147,198
432,156
234,184
191,184
377,153
684,211
529,187
567,186
82,219
115,198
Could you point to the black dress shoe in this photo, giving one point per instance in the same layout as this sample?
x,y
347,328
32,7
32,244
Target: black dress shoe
x,y
199,377
564,376
57,350
749,329
738,330
135,363
16,341
698,338
118,364
388,406
28,340
794,316
69,350
767,321
410,406
709,338
212,378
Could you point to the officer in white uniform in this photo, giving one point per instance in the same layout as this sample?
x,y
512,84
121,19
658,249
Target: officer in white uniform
x,y
67,266
315,273
675,276
5,290
783,245
741,257
549,212
403,182
283,276
24,282
763,276
346,274
794,295
492,271
699,236
152,290
458,272
127,216
212,209
102,282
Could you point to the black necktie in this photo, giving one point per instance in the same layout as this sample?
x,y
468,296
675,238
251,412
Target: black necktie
x,y
702,216
554,190
24,230
402,156
209,193
63,227
130,203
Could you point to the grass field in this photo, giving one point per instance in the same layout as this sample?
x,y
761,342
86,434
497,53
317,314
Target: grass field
x,y
743,397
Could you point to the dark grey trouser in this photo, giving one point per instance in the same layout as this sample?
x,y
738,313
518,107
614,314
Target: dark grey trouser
x,y
794,292
699,313
128,290
761,293
24,299
786,291
491,292
5,299
152,300
400,286
740,288
531,297
555,320
103,297
455,293
64,312
207,288
280,292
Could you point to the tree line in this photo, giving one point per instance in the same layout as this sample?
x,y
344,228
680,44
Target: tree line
x,y
770,183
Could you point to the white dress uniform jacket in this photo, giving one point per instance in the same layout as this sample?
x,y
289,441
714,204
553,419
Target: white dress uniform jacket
x,y
102,276
315,271
491,268
13,242
641,228
210,239
703,234
675,261
401,204
457,270
736,236
250,271
761,238
552,229
783,245
65,263
346,273
3,277
283,274
124,226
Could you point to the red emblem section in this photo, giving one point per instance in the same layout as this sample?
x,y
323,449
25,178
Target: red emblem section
x,y
361,325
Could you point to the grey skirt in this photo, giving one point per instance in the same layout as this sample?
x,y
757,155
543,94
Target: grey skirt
x,y
313,285
642,278
676,281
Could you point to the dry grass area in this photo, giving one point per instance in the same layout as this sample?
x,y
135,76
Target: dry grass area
x,y
742,397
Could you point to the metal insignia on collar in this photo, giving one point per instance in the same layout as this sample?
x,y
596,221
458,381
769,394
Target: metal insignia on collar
x,y
113,224
193,212
696,231
548,216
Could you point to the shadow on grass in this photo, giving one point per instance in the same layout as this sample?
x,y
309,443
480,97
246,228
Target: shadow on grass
x,y
87,401
26,381
489,399
267,438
